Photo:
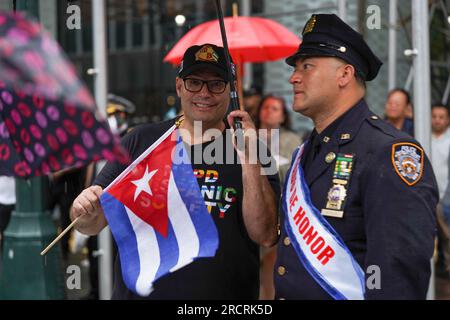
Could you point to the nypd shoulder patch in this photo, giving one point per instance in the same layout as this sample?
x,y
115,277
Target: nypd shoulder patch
x,y
407,159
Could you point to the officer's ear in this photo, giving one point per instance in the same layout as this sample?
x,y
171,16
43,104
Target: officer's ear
x,y
346,74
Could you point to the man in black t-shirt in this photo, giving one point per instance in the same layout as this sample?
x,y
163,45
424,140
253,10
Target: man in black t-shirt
x,y
241,200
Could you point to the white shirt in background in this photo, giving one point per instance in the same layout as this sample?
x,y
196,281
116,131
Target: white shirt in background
x,y
7,190
440,147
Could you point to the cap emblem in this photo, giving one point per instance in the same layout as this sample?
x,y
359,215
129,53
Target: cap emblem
x,y
207,53
310,25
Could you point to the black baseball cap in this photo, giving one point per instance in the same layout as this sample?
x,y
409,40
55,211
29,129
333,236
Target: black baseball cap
x,y
206,56
327,35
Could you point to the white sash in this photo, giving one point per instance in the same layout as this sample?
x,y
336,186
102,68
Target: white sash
x,y
319,247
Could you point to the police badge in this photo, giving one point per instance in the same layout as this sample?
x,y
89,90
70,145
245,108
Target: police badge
x,y
338,191
336,195
407,159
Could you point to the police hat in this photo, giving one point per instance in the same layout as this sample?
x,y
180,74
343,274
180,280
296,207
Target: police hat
x,y
119,104
207,56
328,36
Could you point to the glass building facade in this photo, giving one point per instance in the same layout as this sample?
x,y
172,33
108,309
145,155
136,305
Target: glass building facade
x,y
141,33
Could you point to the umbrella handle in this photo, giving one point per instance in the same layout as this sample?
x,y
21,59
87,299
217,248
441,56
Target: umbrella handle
x,y
231,77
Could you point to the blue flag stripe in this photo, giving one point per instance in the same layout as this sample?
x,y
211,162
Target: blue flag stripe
x,y
169,252
125,237
194,202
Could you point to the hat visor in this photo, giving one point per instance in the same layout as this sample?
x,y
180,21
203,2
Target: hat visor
x,y
204,66
309,52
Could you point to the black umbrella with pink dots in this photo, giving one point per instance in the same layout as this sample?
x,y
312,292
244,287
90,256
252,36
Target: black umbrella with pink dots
x,y
48,119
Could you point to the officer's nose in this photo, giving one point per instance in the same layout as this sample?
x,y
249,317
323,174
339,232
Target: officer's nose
x,y
295,78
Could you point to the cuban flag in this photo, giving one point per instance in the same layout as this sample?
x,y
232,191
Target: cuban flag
x,y
157,215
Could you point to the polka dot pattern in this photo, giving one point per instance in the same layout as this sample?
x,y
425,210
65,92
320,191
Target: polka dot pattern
x,y
40,144
47,115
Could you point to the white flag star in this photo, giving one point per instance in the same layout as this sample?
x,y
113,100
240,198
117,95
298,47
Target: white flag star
x,y
143,184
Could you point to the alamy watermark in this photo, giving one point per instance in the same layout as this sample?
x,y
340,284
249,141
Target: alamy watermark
x,y
373,21
373,281
73,21
254,147
73,281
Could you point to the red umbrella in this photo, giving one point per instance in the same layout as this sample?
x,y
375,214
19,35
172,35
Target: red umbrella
x,y
250,39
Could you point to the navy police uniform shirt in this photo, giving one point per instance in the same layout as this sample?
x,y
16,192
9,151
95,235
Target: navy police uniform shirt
x,y
389,212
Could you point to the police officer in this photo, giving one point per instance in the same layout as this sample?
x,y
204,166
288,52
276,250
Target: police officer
x,y
119,111
358,208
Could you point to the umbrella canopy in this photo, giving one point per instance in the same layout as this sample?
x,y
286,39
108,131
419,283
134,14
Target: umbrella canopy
x,y
48,119
250,39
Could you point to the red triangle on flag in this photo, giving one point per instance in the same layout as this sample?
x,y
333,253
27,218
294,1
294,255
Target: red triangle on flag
x,y
144,189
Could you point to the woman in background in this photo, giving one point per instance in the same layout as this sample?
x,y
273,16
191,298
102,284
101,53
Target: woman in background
x,y
273,123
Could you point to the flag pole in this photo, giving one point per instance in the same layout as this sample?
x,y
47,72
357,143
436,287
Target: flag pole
x,y
60,236
231,75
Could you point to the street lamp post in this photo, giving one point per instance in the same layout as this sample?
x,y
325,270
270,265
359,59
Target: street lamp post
x,y
101,90
422,90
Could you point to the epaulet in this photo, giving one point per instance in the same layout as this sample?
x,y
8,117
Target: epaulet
x,y
407,156
380,124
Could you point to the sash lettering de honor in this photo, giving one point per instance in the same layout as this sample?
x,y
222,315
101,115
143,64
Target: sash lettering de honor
x,y
319,247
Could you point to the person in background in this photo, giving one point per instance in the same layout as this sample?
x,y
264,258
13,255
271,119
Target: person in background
x,y
252,99
273,116
440,147
445,201
273,122
398,110
7,202
119,111
64,186
409,112
440,143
